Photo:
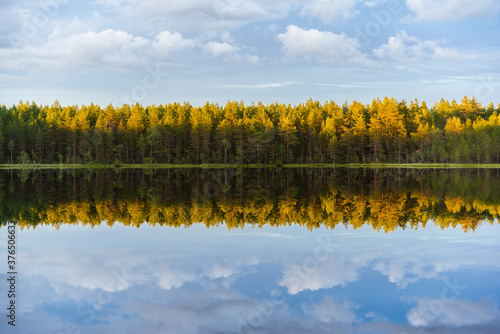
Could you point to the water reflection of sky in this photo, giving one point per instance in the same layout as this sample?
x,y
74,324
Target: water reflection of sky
x,y
285,280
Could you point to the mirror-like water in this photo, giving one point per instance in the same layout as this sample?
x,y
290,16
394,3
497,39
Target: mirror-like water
x,y
290,251
384,199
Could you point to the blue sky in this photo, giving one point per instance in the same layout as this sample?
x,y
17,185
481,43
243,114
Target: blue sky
x,y
155,52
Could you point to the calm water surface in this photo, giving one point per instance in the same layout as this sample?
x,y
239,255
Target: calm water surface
x,y
254,251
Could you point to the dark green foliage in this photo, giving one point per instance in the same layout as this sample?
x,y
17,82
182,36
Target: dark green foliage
x,y
385,131
386,199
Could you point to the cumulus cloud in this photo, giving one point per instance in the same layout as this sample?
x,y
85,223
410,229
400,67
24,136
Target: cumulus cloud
x,y
329,10
200,14
324,47
168,42
217,49
229,52
374,3
431,10
114,50
109,49
459,312
106,48
408,49
27,21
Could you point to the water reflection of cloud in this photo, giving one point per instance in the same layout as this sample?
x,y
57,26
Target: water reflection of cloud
x,y
220,271
335,270
404,271
168,277
330,310
120,270
458,312
88,271
432,262
206,311
172,289
42,321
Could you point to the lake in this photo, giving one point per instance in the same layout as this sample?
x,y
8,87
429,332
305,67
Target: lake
x,y
310,250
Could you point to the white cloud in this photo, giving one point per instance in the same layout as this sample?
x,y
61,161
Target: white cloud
x,y
113,50
405,48
324,47
374,3
329,10
228,52
331,311
459,312
218,50
431,10
241,10
62,29
252,59
199,14
109,49
167,42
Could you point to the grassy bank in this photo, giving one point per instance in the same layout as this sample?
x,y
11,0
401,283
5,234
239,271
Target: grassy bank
x,y
416,166
207,166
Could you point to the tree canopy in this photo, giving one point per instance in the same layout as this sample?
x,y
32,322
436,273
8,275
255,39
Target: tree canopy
x,y
383,131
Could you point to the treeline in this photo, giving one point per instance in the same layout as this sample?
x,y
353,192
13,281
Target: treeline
x,y
385,200
383,131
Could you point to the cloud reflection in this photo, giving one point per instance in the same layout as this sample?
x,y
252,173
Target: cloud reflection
x,y
335,270
460,312
222,286
330,310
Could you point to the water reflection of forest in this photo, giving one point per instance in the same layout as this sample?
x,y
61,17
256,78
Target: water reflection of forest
x,y
386,199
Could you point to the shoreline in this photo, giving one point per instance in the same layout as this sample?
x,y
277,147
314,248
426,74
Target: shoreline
x,y
232,166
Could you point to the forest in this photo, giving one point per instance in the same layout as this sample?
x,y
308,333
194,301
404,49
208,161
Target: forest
x,y
386,200
385,131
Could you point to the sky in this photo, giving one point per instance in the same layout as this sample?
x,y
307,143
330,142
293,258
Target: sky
x,y
158,52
